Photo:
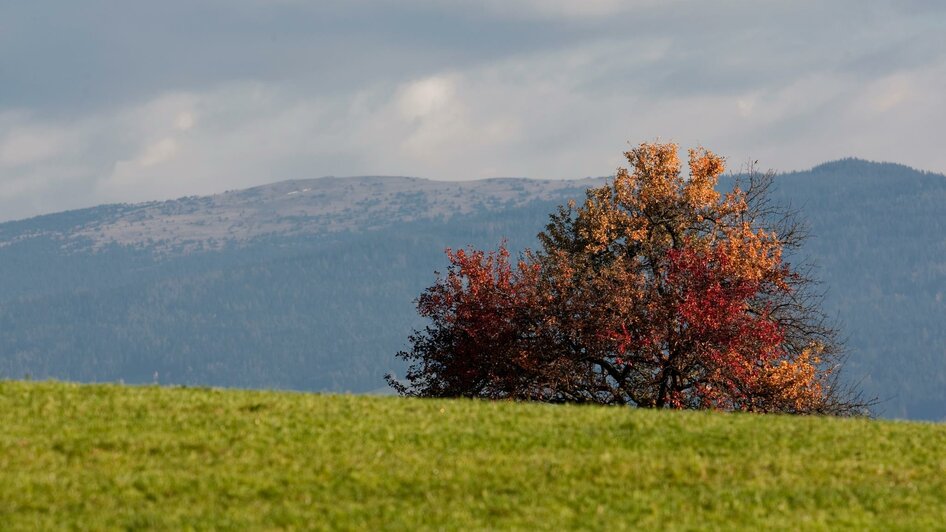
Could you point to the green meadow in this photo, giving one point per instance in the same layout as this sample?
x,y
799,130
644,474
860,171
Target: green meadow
x,y
124,457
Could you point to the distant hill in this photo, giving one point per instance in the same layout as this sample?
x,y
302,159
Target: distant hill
x,y
302,284
308,284
878,236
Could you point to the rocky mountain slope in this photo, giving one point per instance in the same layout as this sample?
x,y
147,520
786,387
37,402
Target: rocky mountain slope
x,y
288,208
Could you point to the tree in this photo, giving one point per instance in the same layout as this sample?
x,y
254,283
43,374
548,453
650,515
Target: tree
x,y
658,291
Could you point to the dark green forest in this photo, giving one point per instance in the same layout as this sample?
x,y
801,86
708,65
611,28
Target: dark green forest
x,y
878,240
328,311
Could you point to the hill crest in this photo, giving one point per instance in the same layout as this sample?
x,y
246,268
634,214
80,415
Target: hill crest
x,y
286,208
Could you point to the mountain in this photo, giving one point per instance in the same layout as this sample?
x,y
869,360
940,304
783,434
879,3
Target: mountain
x,y
303,284
878,237
308,284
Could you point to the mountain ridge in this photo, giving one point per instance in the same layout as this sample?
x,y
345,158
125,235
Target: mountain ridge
x,y
298,185
299,206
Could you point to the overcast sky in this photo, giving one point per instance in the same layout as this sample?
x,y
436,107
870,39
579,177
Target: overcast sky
x,y
122,100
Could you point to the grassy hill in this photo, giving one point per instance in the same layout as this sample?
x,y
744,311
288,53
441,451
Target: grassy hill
x,y
102,457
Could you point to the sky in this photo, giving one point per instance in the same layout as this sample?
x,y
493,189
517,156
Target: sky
x,y
124,101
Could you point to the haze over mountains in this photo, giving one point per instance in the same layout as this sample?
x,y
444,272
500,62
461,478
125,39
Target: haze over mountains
x,y
308,284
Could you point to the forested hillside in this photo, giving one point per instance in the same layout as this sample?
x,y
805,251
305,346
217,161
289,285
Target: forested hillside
x,y
317,301
878,237
309,284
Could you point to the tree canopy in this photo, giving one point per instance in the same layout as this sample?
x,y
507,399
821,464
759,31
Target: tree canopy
x,y
657,291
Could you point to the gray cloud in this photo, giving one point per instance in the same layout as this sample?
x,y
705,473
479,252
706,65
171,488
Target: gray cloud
x,y
107,100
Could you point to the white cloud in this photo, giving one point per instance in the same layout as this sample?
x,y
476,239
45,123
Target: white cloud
x,y
159,152
888,93
745,105
30,144
424,97
538,9
184,121
565,8
741,81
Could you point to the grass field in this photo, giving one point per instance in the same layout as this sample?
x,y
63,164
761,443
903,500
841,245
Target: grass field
x,y
109,457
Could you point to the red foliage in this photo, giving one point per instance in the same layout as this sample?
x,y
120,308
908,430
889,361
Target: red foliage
x,y
478,342
730,344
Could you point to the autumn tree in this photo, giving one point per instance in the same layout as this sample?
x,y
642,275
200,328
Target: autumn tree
x,y
657,291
